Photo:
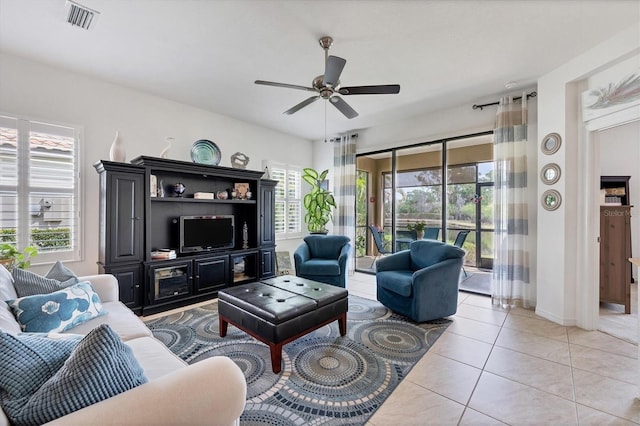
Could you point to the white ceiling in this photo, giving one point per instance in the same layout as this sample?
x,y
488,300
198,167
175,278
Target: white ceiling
x,y
208,53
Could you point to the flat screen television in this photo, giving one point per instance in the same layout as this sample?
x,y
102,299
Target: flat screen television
x,y
205,233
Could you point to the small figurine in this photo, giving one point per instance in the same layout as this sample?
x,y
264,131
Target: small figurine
x,y
165,151
239,160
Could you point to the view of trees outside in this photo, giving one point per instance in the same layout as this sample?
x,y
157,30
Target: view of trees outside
x,y
419,198
361,212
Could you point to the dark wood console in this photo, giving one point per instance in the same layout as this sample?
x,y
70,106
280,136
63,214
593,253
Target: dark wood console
x,y
139,214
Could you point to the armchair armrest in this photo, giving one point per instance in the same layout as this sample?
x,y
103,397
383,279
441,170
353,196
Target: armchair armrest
x,y
344,256
212,391
301,255
106,285
400,261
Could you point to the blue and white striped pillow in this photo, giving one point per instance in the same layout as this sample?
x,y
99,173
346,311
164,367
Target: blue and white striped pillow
x,y
100,366
28,283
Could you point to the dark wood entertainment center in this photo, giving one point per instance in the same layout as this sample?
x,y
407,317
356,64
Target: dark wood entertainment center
x,y
137,219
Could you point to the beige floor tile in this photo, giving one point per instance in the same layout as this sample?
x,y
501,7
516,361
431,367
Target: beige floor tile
x,y
473,418
531,313
608,395
410,404
541,347
537,325
474,329
587,416
482,302
463,349
445,376
481,314
518,404
531,371
605,363
602,341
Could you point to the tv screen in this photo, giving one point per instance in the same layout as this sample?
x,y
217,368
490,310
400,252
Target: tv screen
x,y
203,233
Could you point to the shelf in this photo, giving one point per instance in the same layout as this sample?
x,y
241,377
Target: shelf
x,y
194,200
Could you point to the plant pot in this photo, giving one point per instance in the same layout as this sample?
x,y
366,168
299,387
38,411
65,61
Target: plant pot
x,y
419,235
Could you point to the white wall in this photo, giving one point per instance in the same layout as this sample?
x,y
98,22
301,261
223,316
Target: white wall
x,y
38,91
561,271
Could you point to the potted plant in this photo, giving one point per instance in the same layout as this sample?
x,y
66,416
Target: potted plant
x,y
419,227
318,202
11,257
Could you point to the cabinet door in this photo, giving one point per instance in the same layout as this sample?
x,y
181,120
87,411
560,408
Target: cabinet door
x,y
267,212
267,263
211,273
124,219
130,284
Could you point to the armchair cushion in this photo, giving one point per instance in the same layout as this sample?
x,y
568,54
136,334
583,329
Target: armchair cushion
x,y
399,282
321,267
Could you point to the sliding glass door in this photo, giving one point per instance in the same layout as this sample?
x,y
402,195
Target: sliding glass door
x,y
433,190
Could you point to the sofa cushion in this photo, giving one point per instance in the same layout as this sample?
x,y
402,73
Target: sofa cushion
x,y
154,357
100,366
28,283
27,361
8,322
61,273
125,323
57,311
399,282
7,290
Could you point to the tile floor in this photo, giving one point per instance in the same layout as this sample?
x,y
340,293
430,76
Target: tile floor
x,y
494,366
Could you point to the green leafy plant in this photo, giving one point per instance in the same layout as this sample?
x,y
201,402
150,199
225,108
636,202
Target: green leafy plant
x,y
11,257
318,202
418,226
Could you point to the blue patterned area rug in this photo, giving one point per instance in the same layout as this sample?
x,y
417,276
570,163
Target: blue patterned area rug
x,y
326,379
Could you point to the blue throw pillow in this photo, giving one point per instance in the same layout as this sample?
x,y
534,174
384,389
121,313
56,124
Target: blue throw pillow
x,y
101,366
27,361
58,311
28,283
61,273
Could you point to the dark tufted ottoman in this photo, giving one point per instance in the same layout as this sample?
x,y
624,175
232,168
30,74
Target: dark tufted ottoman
x,y
279,310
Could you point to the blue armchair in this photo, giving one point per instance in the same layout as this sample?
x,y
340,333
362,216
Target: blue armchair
x,y
323,258
421,283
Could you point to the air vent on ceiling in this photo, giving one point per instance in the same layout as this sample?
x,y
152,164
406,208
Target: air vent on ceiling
x,y
81,16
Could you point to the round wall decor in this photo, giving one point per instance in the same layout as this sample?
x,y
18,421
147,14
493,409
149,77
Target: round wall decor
x,y
551,199
550,173
551,143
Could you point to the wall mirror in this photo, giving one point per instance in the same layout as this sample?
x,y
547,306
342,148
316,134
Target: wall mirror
x,y
551,200
550,173
551,143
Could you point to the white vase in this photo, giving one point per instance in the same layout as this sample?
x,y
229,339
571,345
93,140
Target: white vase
x,y
117,151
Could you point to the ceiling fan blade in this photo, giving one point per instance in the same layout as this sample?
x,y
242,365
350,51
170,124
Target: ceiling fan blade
x,y
385,89
288,86
301,105
343,107
333,70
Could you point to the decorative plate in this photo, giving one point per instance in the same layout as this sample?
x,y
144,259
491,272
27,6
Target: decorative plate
x,y
205,152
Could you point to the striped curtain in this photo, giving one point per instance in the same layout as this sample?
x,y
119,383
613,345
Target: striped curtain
x,y
510,280
344,191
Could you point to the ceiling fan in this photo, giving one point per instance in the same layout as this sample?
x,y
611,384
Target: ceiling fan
x,y
328,87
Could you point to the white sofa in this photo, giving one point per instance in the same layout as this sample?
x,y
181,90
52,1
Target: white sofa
x,y
212,391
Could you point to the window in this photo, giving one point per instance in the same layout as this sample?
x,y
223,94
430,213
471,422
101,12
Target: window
x,y
39,196
288,203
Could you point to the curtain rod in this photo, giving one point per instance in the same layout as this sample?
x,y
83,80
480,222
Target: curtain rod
x,y
530,95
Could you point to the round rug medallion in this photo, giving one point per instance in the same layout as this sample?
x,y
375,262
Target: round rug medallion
x,y
366,310
396,341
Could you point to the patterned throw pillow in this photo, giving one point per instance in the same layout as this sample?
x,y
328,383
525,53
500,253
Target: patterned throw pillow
x,y
100,366
61,273
58,311
28,283
27,361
